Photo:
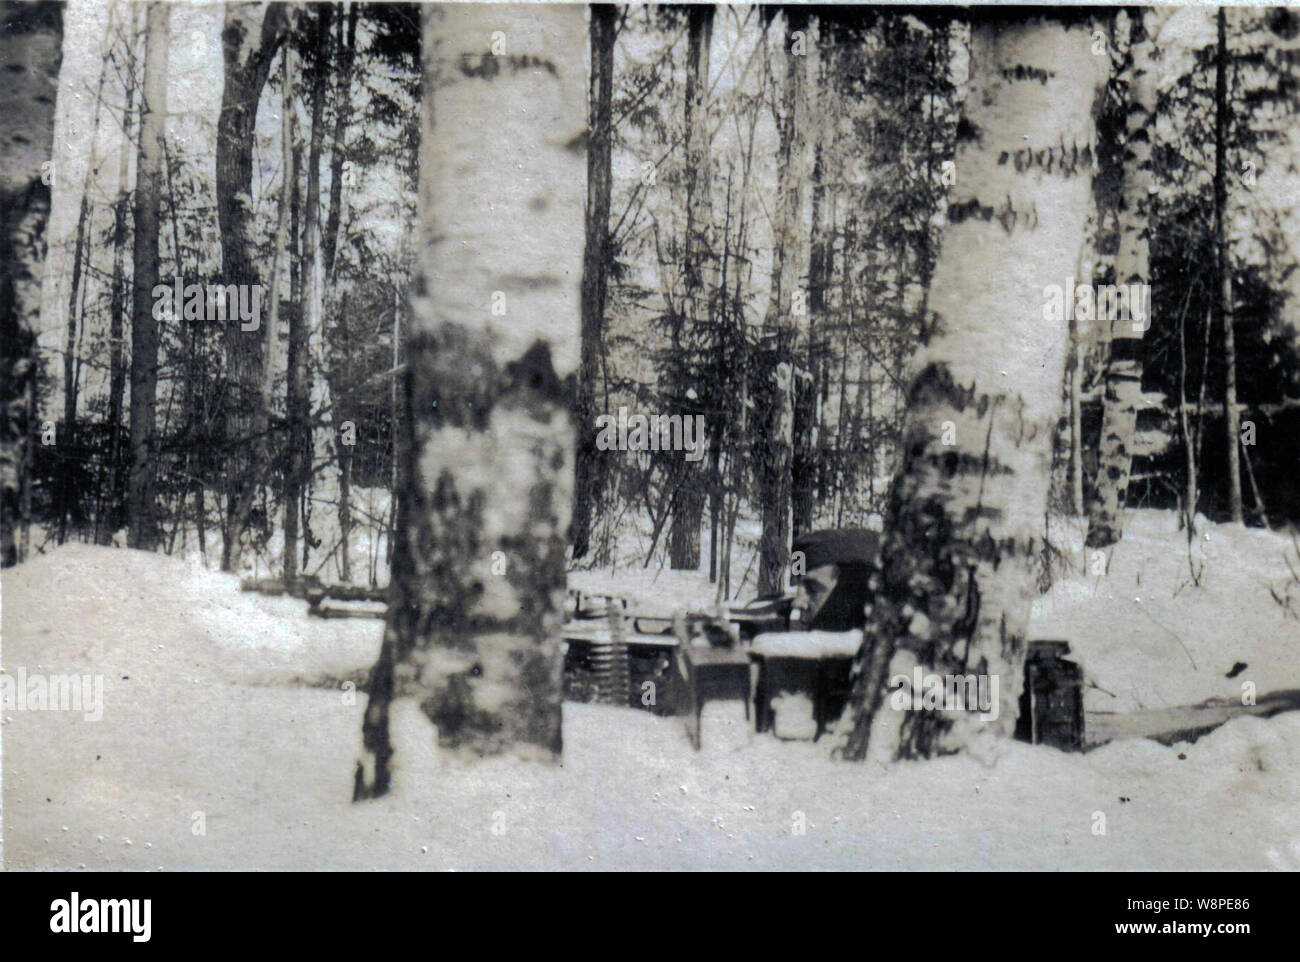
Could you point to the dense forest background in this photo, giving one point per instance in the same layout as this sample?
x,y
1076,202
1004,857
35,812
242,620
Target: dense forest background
x,y
764,216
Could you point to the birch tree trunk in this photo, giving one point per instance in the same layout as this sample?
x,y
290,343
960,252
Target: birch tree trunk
x,y
322,479
271,329
811,390
965,518
478,570
785,311
297,402
1123,393
1074,375
1081,344
347,49
143,527
31,47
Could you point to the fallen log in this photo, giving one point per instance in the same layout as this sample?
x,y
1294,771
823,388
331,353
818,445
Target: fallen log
x,y
1184,723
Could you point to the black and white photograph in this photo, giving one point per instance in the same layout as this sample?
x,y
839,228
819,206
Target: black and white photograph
x,y
642,438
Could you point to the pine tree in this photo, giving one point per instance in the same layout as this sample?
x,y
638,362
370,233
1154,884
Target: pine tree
x,y
589,482
697,269
250,38
1223,271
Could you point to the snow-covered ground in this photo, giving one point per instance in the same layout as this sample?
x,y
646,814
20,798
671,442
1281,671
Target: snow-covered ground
x,y
216,751
1149,637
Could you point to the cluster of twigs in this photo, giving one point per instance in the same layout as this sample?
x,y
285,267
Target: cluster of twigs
x,y
1288,596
